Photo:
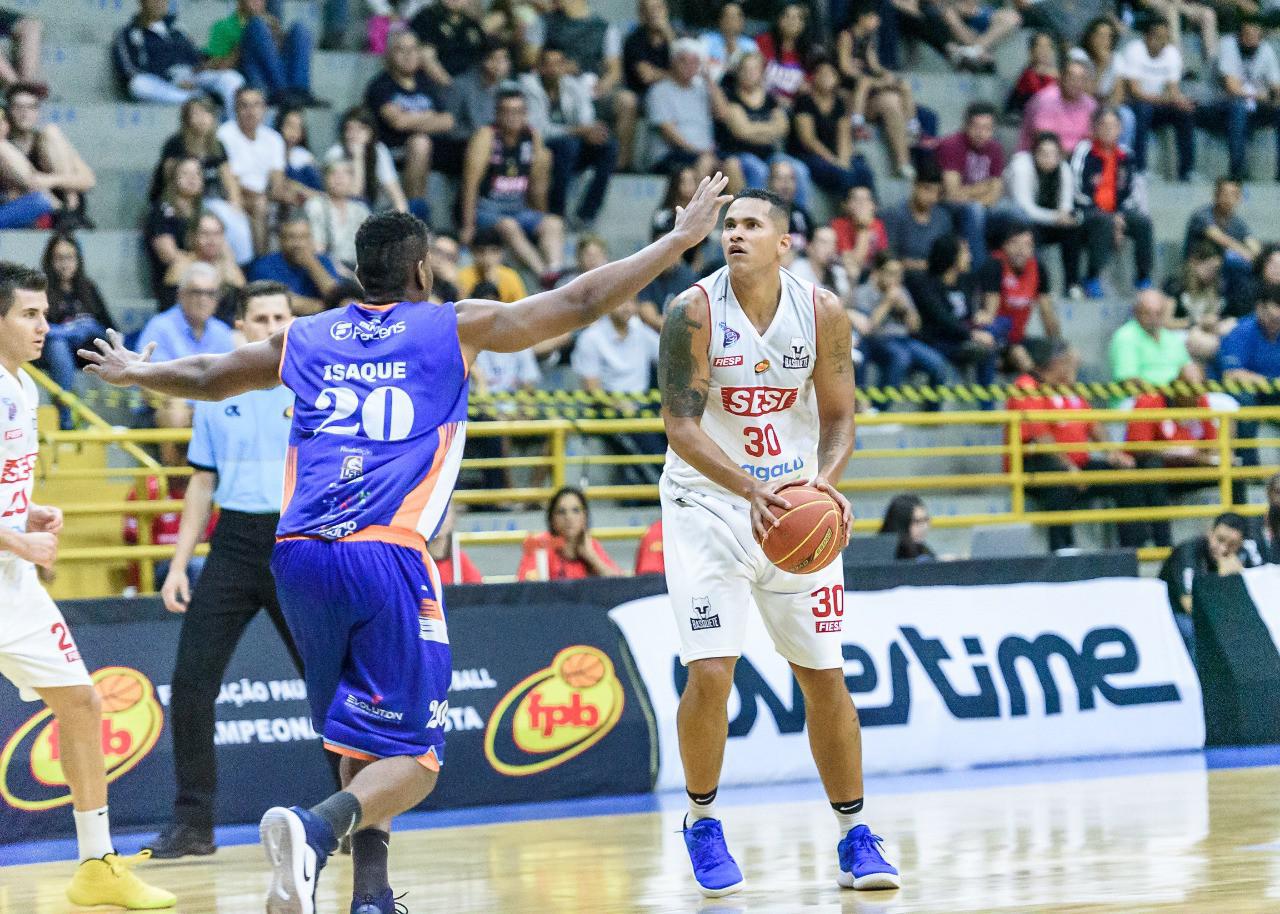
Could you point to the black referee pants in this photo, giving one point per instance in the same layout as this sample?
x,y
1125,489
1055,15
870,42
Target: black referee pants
x,y
235,584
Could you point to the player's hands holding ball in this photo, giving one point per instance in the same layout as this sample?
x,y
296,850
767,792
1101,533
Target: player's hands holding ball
x,y
695,220
764,497
846,510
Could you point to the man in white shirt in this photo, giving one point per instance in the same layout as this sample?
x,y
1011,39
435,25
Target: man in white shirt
x,y
256,154
1249,76
679,109
1152,66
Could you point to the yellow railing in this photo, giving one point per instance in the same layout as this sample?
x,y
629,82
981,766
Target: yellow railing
x,y
560,463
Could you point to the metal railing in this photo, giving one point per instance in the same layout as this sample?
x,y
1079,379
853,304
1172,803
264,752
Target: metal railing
x,y
561,461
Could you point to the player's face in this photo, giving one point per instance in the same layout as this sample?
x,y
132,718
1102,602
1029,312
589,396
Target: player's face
x,y
752,239
264,316
23,328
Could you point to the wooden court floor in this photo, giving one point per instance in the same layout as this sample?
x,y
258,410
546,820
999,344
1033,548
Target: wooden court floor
x,y
1199,842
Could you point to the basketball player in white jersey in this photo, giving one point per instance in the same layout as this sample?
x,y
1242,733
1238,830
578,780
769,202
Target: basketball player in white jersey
x,y
757,385
37,652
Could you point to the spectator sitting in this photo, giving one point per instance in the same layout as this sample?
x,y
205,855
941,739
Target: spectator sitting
x,y
914,225
170,220
592,251
1251,353
752,126
649,554
473,102
567,551
514,24
785,180
907,518
408,110
197,136
821,266
1153,67
256,155
373,170
890,322
344,292
336,215
155,61
504,188
453,565
680,111
1014,282
304,178
646,54
944,298
1225,549
972,162
1063,109
1144,349
52,163
451,39
77,314
1098,48
976,30
1178,12
206,242
23,203
822,136
724,47
24,33
860,233
487,266
1040,72
1220,223
1041,186
561,111
1250,93
594,51
1055,363
189,327
879,94
305,273
273,60
654,298
445,253
785,47
1105,175
1199,312
682,182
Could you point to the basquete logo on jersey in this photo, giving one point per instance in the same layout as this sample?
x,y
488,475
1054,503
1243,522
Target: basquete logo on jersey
x,y
31,776
757,401
554,714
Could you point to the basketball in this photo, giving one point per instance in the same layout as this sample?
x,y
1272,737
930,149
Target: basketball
x,y
809,534
119,692
582,670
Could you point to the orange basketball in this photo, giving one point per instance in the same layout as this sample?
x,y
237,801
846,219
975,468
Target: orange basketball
x,y
119,692
809,534
582,670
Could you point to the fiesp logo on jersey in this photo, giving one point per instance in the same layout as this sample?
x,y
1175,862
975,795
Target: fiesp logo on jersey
x,y
757,401
31,776
555,714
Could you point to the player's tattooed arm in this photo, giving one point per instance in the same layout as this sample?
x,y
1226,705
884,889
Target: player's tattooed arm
x,y
683,383
833,383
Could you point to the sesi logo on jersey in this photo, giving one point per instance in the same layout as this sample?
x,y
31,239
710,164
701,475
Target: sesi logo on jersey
x,y
757,401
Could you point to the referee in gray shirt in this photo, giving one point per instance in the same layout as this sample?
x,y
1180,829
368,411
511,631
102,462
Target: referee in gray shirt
x,y
237,454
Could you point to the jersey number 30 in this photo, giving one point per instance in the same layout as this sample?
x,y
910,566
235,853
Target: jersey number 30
x,y
386,414
761,441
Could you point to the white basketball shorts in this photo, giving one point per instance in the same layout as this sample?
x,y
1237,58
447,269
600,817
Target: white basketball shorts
x,y
716,573
36,647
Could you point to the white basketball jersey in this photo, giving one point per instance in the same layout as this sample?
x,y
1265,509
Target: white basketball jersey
x,y
761,409
18,449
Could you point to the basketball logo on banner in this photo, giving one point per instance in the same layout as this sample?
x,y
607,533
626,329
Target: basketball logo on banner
x,y
554,714
31,776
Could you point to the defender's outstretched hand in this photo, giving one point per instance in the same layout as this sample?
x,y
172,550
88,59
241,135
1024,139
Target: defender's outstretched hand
x,y
696,219
112,360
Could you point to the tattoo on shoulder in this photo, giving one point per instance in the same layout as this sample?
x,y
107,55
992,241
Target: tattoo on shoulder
x,y
683,394
839,335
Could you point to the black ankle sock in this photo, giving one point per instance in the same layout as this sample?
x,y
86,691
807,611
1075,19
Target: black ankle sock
x,y
703,799
342,812
853,807
369,849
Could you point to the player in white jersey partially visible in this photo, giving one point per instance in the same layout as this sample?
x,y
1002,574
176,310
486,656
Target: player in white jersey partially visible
x,y
756,372
37,652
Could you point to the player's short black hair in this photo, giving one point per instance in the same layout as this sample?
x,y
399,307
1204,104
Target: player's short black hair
x,y
260,288
779,209
14,276
388,248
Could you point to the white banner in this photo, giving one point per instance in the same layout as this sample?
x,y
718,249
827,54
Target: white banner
x,y
1263,584
950,677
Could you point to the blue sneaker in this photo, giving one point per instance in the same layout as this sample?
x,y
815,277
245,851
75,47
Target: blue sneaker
x,y
1093,288
862,865
385,903
297,843
713,866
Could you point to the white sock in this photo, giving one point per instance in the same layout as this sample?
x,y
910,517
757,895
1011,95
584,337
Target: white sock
x,y
704,810
93,833
848,816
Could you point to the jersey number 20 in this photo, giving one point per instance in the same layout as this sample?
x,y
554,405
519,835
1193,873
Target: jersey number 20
x,y
386,414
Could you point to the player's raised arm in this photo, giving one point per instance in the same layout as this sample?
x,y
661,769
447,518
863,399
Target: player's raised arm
x,y
509,328
833,384
196,377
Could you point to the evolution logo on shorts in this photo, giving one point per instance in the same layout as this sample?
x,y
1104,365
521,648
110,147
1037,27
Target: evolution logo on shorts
x,y
703,618
372,708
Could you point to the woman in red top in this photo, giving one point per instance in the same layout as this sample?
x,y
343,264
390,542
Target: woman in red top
x,y
784,48
567,550
1041,70
452,563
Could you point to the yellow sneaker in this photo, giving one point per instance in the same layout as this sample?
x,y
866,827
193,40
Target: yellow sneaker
x,y
109,880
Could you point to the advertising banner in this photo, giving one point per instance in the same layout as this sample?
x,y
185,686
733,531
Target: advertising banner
x,y
948,677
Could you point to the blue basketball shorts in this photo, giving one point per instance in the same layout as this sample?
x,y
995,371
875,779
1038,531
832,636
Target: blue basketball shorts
x,y
368,620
